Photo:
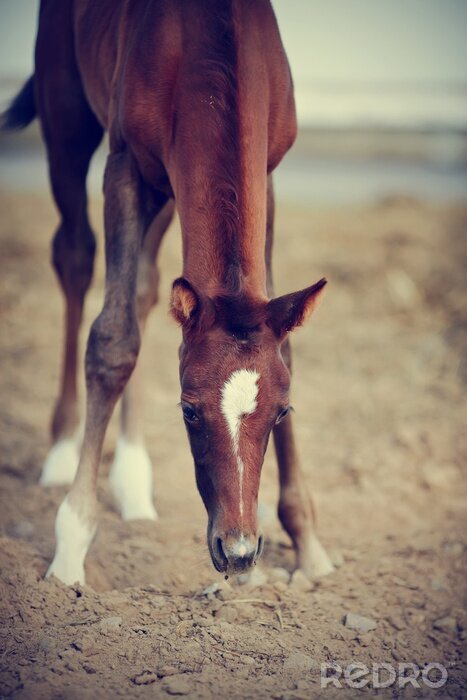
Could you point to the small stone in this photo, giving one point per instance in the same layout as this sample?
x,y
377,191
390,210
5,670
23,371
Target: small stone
x,y
417,618
446,624
281,587
176,685
212,589
46,644
202,620
71,666
299,582
247,660
88,667
21,530
145,678
279,574
110,624
404,584
57,669
228,613
184,628
402,289
67,654
86,644
298,661
167,671
359,623
396,622
363,641
337,558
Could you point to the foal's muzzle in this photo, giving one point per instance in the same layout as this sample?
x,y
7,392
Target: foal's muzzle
x,y
234,554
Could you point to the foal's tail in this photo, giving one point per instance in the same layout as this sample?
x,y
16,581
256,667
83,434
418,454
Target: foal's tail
x,y
22,110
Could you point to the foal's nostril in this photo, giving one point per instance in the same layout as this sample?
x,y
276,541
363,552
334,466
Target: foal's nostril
x,y
235,553
259,550
219,551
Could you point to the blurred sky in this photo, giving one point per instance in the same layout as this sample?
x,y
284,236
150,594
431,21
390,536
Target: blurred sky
x,y
340,41
375,41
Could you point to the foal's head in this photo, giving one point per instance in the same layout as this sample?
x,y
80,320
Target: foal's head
x,y
235,388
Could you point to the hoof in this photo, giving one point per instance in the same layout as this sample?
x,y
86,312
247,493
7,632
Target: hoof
x,y
61,463
131,481
316,562
73,536
69,575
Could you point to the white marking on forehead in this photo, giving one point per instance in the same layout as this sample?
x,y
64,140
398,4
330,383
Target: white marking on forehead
x,y
239,395
239,399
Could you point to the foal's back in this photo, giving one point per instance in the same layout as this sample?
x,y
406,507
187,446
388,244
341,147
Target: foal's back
x,y
144,63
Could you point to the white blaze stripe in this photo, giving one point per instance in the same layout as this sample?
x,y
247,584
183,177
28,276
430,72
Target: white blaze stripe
x,y
239,395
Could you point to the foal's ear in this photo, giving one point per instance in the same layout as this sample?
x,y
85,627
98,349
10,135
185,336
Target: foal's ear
x,y
291,310
184,301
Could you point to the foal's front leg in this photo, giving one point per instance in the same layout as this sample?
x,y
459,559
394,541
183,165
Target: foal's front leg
x,y
111,355
131,475
295,505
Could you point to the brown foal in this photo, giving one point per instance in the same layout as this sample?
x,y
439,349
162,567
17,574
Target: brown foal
x,y
197,99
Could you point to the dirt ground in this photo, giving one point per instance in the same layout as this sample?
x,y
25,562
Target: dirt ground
x,y
379,391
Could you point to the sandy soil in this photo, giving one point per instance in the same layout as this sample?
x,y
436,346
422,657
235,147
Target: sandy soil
x,y
380,415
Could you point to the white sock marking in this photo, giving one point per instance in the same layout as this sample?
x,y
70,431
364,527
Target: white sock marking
x,y
131,481
73,535
61,463
239,395
320,561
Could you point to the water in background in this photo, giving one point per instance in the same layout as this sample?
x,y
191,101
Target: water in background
x,y
397,106
355,144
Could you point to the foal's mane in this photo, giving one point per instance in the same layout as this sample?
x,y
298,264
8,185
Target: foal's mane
x,y
218,67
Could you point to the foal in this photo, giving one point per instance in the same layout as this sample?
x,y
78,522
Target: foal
x,y
198,102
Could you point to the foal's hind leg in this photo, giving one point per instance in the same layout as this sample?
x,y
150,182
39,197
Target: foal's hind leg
x,y
131,475
71,133
295,506
73,257
111,355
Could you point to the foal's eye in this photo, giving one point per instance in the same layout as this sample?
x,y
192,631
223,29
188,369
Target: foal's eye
x,y
282,414
189,413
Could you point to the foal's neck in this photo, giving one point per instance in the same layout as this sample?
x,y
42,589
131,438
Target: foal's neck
x,y
222,259
223,220
220,153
